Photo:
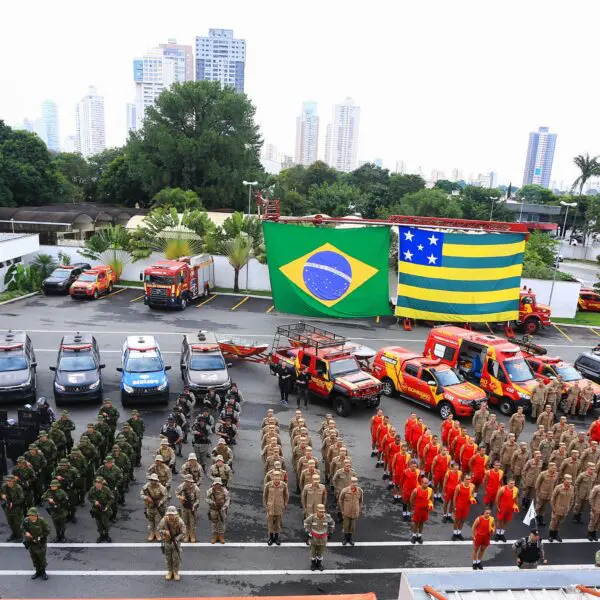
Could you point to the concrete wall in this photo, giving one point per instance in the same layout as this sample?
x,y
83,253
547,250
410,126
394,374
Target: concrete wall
x,y
23,247
564,296
258,274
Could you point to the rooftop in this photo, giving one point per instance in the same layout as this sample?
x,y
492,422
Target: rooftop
x,y
7,237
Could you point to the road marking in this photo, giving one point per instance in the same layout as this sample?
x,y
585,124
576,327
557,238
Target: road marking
x,y
113,293
561,331
593,331
295,572
138,298
388,544
241,302
210,299
270,308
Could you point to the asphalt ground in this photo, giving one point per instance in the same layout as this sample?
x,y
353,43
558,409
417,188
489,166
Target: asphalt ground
x,y
245,565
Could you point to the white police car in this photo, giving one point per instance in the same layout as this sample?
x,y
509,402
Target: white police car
x,y
144,373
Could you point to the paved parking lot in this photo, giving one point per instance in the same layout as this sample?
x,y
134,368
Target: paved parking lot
x,y
245,566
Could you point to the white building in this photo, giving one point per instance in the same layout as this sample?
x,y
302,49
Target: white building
x,y
131,111
70,144
307,134
89,116
156,71
221,57
343,136
50,119
401,167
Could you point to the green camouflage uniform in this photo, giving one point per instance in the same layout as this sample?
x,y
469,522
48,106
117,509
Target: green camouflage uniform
x,y
48,448
68,475
59,439
97,440
103,428
101,501
122,461
91,454
26,478
111,415
40,466
58,510
39,532
80,462
139,428
12,498
66,426
113,477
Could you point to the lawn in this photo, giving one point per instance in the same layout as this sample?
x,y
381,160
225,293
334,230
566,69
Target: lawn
x,y
582,318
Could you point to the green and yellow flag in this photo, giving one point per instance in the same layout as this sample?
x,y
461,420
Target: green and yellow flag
x,y
328,272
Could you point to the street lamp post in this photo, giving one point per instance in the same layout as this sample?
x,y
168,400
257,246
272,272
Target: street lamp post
x,y
562,237
249,184
493,199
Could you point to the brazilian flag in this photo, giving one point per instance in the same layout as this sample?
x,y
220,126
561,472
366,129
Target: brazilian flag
x,y
325,272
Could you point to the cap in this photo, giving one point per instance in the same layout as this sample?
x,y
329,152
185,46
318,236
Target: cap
x,y
107,401
276,473
116,447
316,477
135,411
218,457
164,442
21,459
33,511
320,507
99,480
126,425
153,477
535,532
55,482
171,510
159,458
220,442
42,433
109,458
63,461
188,477
65,412
217,481
91,424
347,462
11,478
277,463
34,446
101,417
84,438
354,480
192,456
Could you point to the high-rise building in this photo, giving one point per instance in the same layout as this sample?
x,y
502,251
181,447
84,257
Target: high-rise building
x,y
221,57
131,111
89,116
378,162
158,69
456,174
50,119
540,154
343,136
70,144
307,134
401,167
27,125
271,152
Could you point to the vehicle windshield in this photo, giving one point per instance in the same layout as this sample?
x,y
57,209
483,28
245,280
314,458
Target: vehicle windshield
x,y
86,277
12,361
159,279
76,362
446,377
143,363
343,367
518,370
568,373
207,362
61,273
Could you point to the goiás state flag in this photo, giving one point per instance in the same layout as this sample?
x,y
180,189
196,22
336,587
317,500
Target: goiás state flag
x,y
463,277
328,272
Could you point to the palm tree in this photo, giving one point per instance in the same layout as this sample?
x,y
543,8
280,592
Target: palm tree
x,y
238,252
45,264
111,245
589,167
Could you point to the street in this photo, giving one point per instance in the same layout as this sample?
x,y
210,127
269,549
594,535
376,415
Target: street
x,y
244,566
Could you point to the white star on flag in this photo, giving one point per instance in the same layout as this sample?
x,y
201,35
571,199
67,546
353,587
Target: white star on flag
x,y
408,255
433,240
432,259
408,235
420,246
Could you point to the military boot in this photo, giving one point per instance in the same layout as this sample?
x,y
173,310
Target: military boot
x,y
36,574
350,540
345,540
320,564
551,535
176,576
169,575
44,575
271,539
275,539
214,538
577,518
221,538
591,536
313,564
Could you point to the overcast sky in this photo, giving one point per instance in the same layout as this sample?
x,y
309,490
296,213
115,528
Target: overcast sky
x,y
441,83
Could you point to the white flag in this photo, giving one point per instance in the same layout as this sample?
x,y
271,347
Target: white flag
x,y
530,516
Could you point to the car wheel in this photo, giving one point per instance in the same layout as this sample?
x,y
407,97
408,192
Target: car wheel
x,y
183,304
531,325
151,306
506,406
388,387
95,294
342,406
124,400
165,399
58,401
446,409
376,403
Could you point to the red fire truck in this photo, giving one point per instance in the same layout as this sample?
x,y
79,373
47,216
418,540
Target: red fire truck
x,y
175,283
532,315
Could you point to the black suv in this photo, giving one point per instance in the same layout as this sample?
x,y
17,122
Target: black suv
x,y
78,369
588,364
17,367
202,363
62,277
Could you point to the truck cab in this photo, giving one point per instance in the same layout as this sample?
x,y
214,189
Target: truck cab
x,y
175,283
425,381
532,315
92,283
496,365
144,373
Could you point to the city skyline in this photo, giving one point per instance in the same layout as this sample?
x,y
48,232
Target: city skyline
x,y
341,138
540,156
90,136
307,135
407,114
221,57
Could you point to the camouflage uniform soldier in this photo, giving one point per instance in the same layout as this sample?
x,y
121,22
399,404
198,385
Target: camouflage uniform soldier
x,y
155,496
113,476
220,471
168,455
189,496
223,450
40,466
78,460
136,424
163,472
275,499
101,499
59,439
570,406
103,428
12,499
217,498
91,454
26,477
594,524
319,528
201,436
133,439
351,505
172,529
35,534
48,448
122,461
111,416
128,449
313,494
562,500
57,504
583,487
586,399
67,475
194,468
96,440
538,400
66,426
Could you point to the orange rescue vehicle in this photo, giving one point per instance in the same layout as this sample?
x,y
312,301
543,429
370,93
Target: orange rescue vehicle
x,y
93,283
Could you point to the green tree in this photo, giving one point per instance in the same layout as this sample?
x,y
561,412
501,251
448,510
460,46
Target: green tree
x,y
476,203
425,203
118,185
400,185
540,248
111,245
233,227
319,173
536,194
44,263
588,167
337,200
447,186
202,137
74,167
28,176
238,252
98,164
177,198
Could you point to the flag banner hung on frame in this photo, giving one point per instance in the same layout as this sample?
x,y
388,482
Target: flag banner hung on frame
x,y
328,272
462,277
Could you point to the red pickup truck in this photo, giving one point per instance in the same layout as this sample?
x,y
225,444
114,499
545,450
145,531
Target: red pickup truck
x,y
332,363
93,283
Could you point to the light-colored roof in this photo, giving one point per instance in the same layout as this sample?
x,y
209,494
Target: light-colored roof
x,y
7,237
218,218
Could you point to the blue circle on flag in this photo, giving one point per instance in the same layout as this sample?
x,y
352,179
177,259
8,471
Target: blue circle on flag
x,y
327,275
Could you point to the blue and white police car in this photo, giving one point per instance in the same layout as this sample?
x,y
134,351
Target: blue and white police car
x,y
144,373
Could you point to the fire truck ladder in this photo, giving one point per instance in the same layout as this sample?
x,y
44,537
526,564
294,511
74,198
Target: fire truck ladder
x,y
305,335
